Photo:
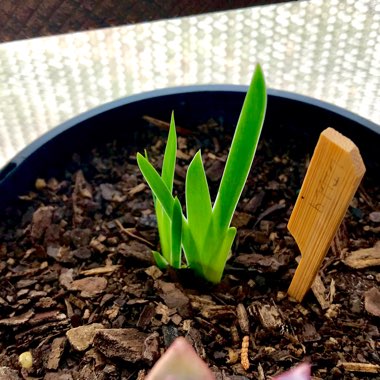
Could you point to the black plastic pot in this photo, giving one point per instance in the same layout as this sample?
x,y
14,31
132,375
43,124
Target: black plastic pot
x,y
288,116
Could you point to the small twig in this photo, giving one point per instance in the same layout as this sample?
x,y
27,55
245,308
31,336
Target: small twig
x,y
269,210
165,125
360,367
128,231
137,189
100,270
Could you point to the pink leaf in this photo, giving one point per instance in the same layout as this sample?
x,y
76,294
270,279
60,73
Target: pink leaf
x,y
180,362
301,372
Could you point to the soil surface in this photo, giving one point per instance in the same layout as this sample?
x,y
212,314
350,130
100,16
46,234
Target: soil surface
x,y
81,296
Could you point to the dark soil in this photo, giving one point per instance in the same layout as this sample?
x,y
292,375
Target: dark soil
x,y
78,253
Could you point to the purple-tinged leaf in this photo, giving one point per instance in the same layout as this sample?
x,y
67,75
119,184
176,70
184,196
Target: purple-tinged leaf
x,y
301,372
180,362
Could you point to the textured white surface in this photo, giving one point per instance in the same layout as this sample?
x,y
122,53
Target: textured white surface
x,y
327,49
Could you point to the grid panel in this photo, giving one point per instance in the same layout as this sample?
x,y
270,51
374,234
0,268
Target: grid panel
x,y
327,49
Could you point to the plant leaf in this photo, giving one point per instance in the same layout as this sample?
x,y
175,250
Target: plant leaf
x,y
160,260
168,165
180,362
163,222
198,202
218,246
157,185
191,250
167,175
242,150
300,372
164,231
176,235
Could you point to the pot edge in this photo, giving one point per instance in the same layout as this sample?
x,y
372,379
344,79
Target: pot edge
x,y
40,141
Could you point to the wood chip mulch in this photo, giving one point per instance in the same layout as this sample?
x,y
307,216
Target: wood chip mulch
x,y
79,289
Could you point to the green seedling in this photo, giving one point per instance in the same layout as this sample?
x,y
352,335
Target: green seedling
x,y
205,233
169,226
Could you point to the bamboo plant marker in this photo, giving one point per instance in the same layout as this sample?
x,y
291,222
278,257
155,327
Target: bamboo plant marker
x,y
333,176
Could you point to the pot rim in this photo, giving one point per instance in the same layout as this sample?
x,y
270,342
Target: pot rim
x,y
44,138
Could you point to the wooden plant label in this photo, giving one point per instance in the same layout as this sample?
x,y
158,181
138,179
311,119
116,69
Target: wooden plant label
x,y
333,176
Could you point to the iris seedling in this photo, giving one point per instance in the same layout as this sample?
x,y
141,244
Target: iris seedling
x,y
205,234
169,226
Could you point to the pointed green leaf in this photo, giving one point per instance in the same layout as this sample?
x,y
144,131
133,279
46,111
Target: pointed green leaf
x,y
198,202
190,249
168,165
242,150
219,249
156,184
168,168
164,231
163,224
176,234
160,260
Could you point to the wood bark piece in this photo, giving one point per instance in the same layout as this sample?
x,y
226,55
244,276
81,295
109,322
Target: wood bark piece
x,y
42,219
194,337
137,189
360,367
151,350
372,301
7,373
89,286
46,317
243,320
147,313
269,315
17,320
126,344
364,258
320,292
82,337
100,270
82,191
331,181
218,312
340,242
262,263
39,333
55,353
173,297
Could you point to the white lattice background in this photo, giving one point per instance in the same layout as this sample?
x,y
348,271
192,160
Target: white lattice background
x,y
328,49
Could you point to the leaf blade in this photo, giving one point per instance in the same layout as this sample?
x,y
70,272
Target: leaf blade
x,y
198,202
176,235
168,165
156,184
164,232
221,246
191,251
160,260
242,150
